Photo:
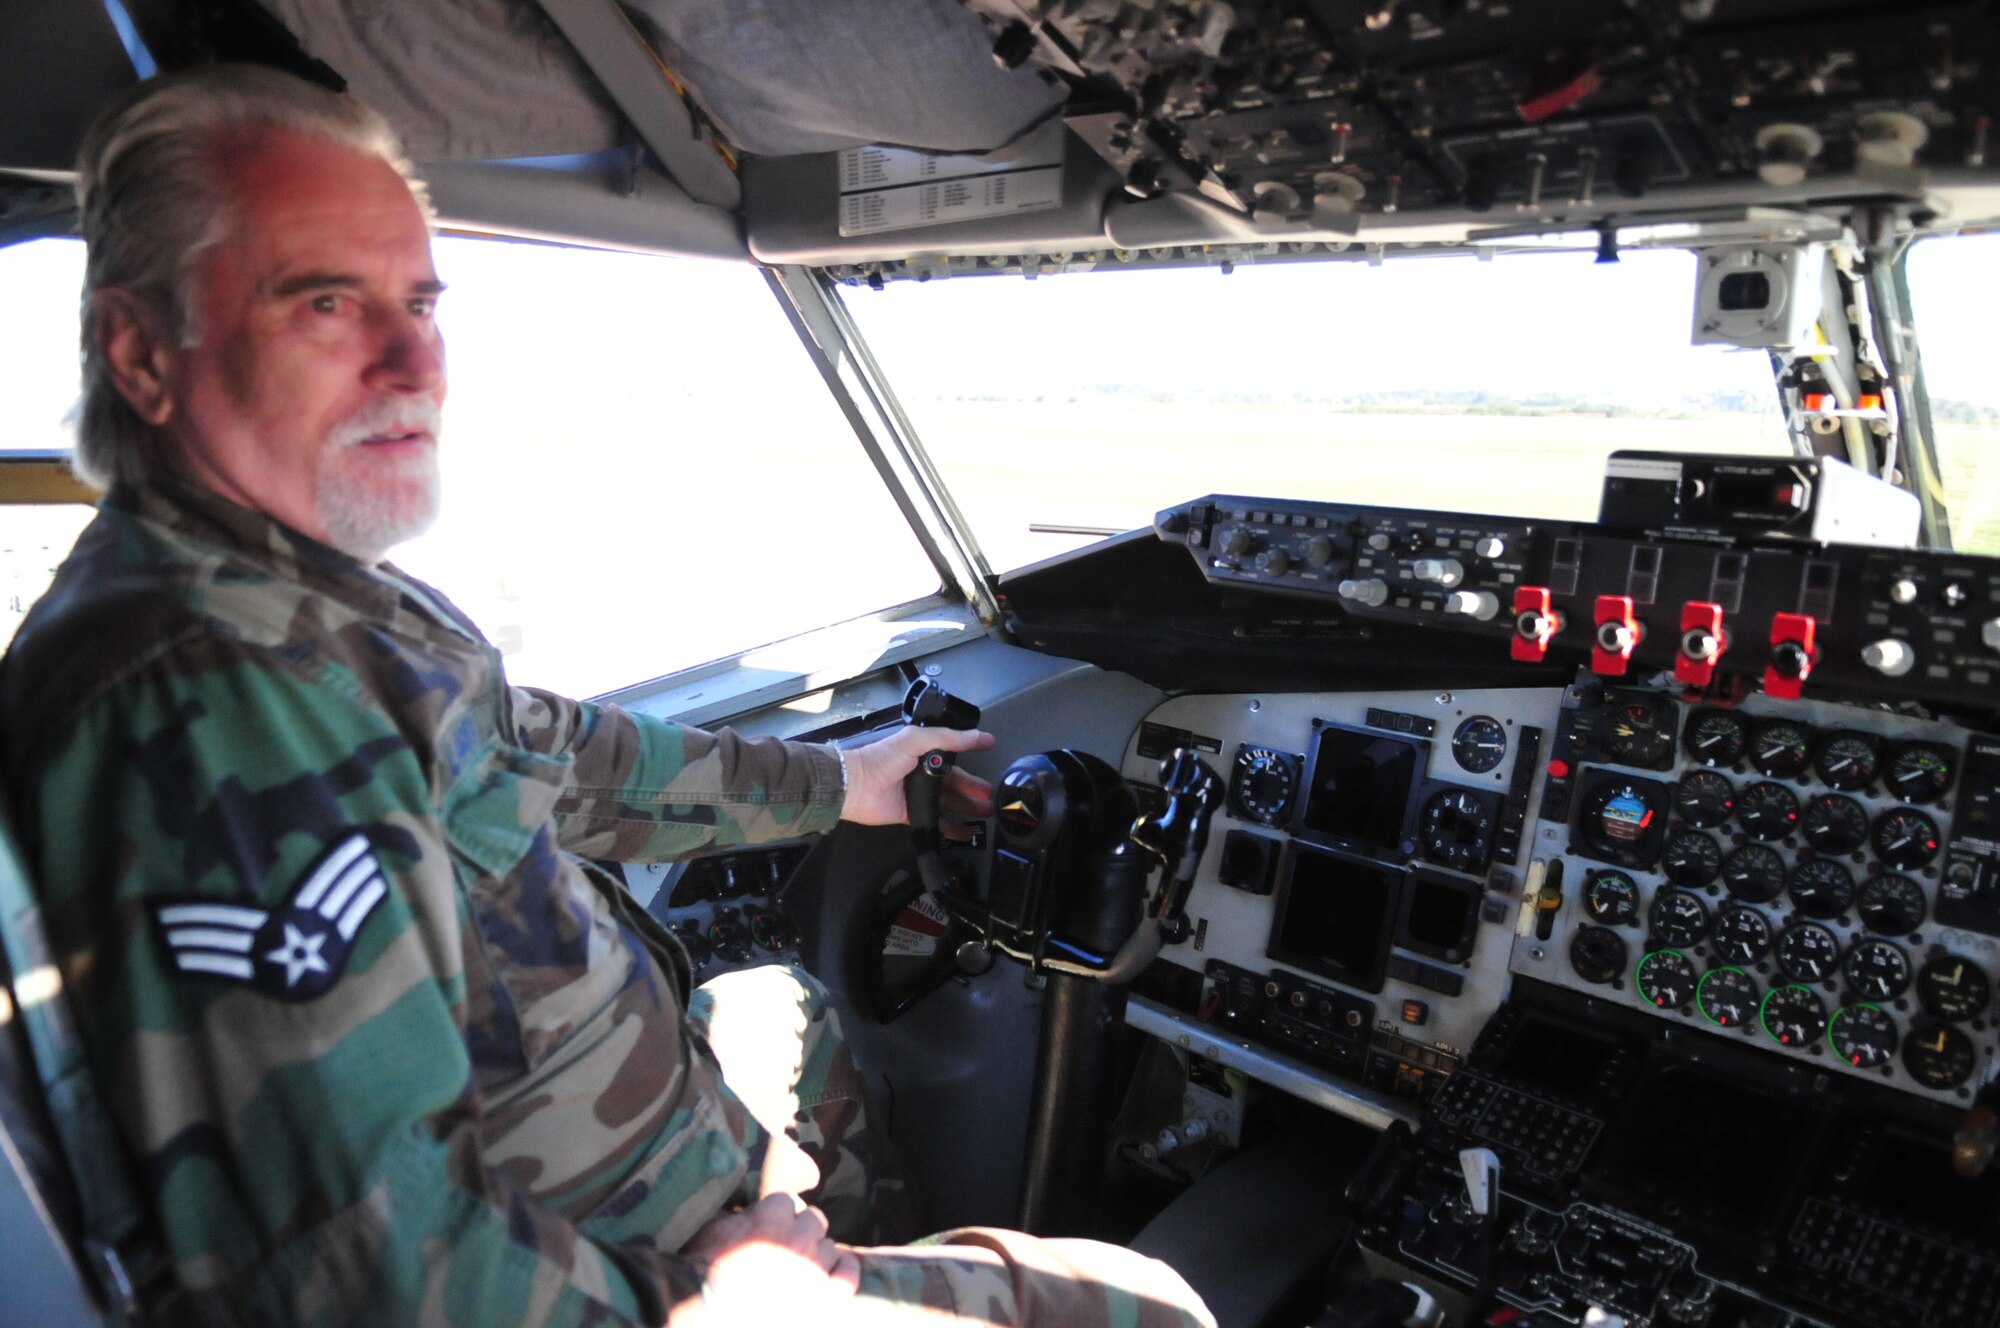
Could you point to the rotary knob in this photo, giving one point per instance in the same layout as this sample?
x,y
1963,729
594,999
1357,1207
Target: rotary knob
x,y
1373,591
1490,547
1480,604
1889,657
1319,551
1903,590
1990,634
1446,572
1239,542
1273,562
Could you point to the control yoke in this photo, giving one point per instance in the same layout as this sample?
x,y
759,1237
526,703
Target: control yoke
x,y
1073,853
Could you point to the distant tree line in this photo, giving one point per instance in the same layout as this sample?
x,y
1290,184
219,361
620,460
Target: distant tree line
x,y
1461,401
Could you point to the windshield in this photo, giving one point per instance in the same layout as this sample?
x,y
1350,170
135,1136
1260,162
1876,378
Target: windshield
x,y
1951,299
1064,407
640,462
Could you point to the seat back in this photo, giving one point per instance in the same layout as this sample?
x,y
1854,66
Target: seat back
x,y
41,1228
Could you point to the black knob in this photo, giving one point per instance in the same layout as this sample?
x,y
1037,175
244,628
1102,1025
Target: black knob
x,y
1319,552
1274,561
1790,659
1013,46
1240,542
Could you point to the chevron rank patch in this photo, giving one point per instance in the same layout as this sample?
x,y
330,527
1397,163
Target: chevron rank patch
x,y
294,952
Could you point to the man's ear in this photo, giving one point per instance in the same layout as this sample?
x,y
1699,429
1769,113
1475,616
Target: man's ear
x,y
140,354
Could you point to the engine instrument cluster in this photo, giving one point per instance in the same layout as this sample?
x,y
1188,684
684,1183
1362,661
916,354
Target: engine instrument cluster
x,y
1776,874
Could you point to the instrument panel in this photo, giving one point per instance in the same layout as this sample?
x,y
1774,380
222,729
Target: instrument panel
x,y
1774,873
1355,907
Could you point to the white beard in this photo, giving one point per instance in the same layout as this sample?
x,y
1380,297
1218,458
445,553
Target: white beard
x,y
370,502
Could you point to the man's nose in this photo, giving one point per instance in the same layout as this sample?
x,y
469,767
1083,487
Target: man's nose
x,y
410,356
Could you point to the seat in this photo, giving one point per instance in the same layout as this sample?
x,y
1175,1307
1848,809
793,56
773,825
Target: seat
x,y
41,1231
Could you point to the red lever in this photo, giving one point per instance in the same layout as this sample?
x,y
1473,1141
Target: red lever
x,y
1792,655
1702,643
1536,622
1618,635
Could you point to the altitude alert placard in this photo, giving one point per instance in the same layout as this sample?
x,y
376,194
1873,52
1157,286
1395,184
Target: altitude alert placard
x,y
891,189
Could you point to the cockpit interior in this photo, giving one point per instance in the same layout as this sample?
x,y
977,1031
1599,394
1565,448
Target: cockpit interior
x,y
1391,915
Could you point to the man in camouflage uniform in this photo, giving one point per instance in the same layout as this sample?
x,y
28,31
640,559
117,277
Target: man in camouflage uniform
x,y
386,1046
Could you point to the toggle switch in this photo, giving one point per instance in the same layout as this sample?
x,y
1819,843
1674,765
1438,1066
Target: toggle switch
x,y
1793,655
1536,622
1618,635
1702,643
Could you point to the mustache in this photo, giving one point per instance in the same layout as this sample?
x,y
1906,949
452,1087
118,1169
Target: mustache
x,y
417,415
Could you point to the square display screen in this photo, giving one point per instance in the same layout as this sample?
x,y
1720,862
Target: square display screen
x,y
1360,790
1334,916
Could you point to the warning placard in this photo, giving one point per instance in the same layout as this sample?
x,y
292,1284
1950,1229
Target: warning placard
x,y
887,189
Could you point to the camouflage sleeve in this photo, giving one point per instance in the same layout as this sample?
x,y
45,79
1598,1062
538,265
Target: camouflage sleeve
x,y
643,790
260,929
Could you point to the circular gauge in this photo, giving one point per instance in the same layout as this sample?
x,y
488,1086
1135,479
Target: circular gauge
x,y
1598,955
1716,737
1822,888
1906,838
1704,799
1456,829
1677,919
1848,761
1728,996
1876,970
1833,824
1938,1057
1753,873
1479,744
1691,858
1767,811
1611,898
1640,732
1262,784
1862,1035
1920,771
1793,1016
1667,979
1780,748
1953,988
1617,816
1807,952
1742,935
1891,904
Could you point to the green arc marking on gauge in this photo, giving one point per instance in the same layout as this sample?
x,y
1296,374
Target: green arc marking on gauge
x,y
1704,982
1659,1005
1765,1004
1858,1005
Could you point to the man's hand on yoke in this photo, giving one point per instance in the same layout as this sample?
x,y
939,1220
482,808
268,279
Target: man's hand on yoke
x,y
875,775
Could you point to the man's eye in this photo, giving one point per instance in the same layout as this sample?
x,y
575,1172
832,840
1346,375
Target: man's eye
x,y
325,304
423,306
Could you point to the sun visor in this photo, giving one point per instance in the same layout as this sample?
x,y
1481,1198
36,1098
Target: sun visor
x,y
780,80
474,79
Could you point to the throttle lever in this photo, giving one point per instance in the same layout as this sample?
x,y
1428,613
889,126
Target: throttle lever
x,y
928,705
1176,838
921,794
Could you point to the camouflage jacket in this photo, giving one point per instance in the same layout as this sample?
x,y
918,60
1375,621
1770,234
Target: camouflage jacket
x,y
384,1045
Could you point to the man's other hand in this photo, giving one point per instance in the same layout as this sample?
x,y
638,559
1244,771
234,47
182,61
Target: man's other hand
x,y
772,1263
875,774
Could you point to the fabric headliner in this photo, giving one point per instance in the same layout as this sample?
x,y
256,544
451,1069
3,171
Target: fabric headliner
x,y
783,77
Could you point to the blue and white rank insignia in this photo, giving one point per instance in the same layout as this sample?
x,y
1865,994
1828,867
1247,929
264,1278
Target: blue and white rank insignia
x,y
293,952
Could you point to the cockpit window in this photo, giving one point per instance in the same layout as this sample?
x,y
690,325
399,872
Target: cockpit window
x,y
38,378
1071,405
1951,299
643,472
